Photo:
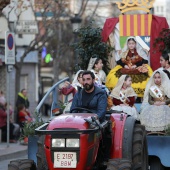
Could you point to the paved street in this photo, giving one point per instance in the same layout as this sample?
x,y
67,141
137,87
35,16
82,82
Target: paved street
x,y
14,151
4,163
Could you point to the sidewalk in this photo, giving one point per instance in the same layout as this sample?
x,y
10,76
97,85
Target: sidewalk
x,y
14,150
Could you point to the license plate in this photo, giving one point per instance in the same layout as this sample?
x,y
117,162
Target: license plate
x,y
65,160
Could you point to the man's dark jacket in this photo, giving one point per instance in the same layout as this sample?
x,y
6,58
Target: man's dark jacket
x,y
96,103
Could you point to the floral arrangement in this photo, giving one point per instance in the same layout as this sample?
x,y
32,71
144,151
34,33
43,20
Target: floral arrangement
x,y
29,127
162,43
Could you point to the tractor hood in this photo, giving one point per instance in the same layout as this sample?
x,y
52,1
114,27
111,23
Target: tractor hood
x,y
72,120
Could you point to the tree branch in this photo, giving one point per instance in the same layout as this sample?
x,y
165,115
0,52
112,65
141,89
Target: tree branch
x,y
98,3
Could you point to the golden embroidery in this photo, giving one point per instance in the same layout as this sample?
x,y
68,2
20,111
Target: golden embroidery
x,y
139,78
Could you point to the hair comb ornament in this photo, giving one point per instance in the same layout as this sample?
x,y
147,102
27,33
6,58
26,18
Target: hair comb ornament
x,y
91,63
169,56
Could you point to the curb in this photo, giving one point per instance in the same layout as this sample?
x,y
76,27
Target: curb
x,y
13,155
12,152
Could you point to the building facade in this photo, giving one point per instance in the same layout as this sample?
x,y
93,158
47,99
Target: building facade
x,y
161,8
29,71
99,10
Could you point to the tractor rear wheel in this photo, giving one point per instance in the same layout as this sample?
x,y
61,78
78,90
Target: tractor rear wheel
x,y
119,164
24,164
41,158
155,164
139,148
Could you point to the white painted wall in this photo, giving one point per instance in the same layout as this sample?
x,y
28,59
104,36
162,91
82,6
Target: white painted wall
x,y
12,11
3,28
161,8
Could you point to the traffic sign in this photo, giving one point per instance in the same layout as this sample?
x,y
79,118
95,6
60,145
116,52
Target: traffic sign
x,y
9,48
26,27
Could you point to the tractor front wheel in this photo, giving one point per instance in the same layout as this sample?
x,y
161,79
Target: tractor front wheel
x,y
24,164
119,164
41,158
139,148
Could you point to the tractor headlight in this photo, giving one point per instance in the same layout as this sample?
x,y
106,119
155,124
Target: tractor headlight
x,y
72,143
58,143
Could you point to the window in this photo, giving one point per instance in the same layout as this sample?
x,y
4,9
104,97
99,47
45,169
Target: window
x,y
24,81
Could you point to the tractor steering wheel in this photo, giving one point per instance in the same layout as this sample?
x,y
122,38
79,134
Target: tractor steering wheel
x,y
80,109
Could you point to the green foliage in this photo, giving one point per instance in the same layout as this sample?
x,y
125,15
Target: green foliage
x,y
163,41
90,45
62,105
29,128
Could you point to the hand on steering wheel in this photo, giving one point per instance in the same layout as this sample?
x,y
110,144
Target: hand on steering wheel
x,y
80,109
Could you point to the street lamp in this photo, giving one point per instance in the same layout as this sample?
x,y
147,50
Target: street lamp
x,y
76,22
12,26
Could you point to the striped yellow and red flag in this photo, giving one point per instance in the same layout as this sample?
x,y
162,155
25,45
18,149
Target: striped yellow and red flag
x,y
135,25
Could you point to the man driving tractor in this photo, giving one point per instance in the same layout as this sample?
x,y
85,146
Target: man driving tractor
x,y
91,97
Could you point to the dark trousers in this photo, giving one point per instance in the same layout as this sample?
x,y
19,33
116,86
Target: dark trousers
x,y
46,109
105,145
107,142
4,132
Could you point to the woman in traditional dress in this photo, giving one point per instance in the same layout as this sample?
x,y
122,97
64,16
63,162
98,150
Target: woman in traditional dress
x,y
155,110
165,61
70,89
133,61
95,65
123,96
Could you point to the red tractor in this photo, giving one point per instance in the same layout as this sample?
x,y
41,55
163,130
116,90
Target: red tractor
x,y
76,141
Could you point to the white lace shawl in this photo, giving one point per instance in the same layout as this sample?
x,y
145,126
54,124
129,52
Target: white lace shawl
x,y
129,92
165,82
141,52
